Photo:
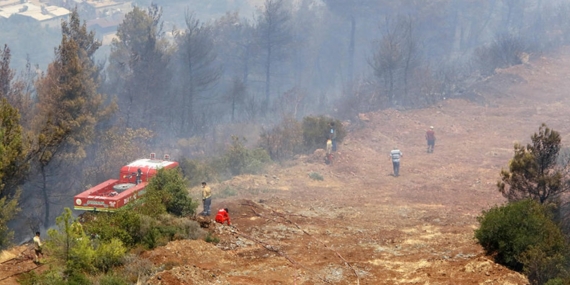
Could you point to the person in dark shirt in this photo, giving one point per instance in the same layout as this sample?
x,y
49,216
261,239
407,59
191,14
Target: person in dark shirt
x,y
430,137
223,215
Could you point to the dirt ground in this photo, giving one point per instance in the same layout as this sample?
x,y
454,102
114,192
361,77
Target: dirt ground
x,y
360,224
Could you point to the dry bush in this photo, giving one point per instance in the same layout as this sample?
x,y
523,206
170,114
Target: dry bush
x,y
283,141
138,269
505,51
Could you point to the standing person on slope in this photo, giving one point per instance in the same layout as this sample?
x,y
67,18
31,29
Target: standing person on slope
x,y
37,248
206,199
395,156
430,137
332,135
329,158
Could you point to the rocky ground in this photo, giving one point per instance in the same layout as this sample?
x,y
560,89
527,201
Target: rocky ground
x,y
361,225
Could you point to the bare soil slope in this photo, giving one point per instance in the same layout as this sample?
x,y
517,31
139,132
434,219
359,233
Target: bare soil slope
x,y
361,225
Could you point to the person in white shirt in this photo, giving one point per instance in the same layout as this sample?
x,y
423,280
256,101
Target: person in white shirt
x,y
37,248
395,155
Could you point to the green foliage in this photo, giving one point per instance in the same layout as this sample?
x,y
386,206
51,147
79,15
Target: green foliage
x,y
8,209
240,160
13,150
109,254
284,140
533,171
69,245
316,132
77,278
197,171
212,238
68,108
157,231
113,279
54,277
124,225
518,233
167,192
541,266
558,281
13,161
316,176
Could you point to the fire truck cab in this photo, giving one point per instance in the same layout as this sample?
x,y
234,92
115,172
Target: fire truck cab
x,y
116,193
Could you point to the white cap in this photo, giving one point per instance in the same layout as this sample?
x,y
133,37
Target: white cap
x,y
431,127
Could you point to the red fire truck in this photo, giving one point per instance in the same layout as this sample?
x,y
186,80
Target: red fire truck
x,y
116,193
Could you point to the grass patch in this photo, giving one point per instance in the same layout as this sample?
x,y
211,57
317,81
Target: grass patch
x,y
212,238
316,176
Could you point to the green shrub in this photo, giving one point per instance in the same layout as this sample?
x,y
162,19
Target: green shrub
x,y
541,266
557,281
316,132
113,279
284,140
123,224
157,231
212,238
518,233
175,228
69,246
151,238
77,278
167,192
316,176
197,171
238,159
109,254
54,276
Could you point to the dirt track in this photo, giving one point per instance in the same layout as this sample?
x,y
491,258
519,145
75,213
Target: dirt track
x,y
360,225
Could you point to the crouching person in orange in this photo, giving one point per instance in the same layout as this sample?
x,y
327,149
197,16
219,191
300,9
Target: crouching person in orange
x,y
223,215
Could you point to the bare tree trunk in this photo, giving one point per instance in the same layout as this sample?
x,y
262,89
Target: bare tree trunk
x,y
267,78
45,195
351,52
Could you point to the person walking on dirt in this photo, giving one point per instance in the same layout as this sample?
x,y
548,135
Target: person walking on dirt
x,y
395,155
332,135
329,156
223,215
430,137
206,199
37,248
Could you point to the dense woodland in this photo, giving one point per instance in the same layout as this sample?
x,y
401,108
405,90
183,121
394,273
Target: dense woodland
x,y
185,90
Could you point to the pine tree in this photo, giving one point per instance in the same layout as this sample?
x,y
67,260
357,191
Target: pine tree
x,y
13,150
13,167
533,172
69,106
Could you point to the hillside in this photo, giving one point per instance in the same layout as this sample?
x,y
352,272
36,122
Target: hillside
x,y
361,221
361,225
